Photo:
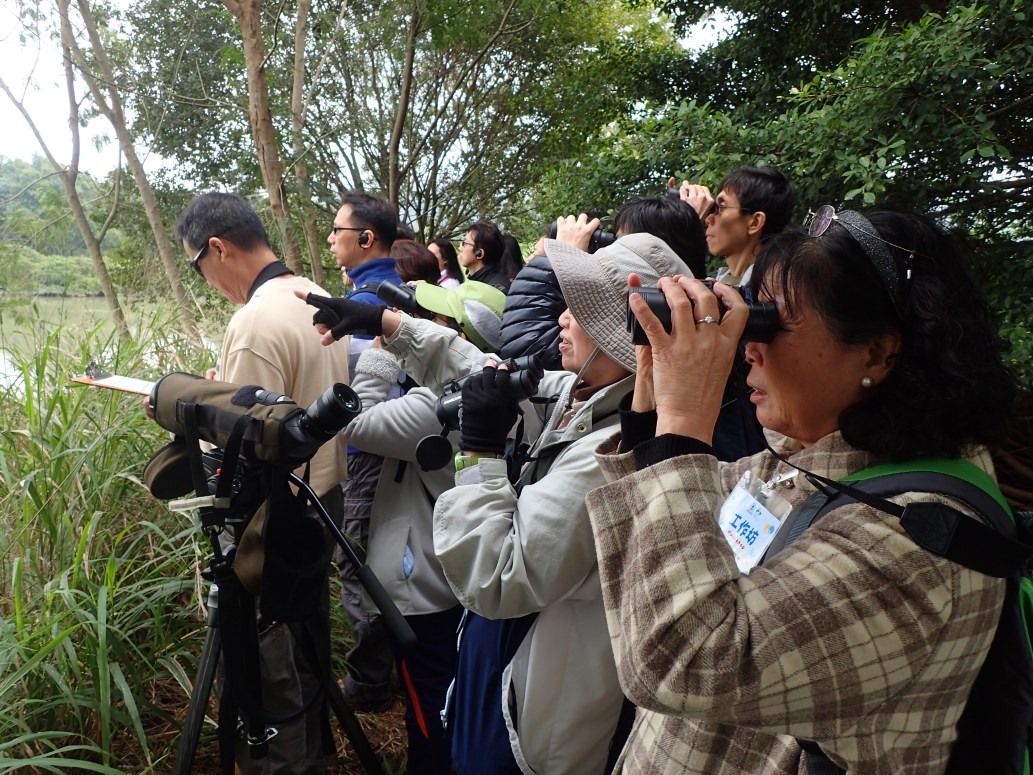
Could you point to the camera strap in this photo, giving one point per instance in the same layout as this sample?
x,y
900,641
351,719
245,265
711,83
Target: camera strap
x,y
269,271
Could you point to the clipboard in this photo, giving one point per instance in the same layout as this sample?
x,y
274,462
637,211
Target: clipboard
x,y
96,377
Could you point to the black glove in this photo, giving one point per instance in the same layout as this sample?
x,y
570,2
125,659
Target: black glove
x,y
488,412
344,316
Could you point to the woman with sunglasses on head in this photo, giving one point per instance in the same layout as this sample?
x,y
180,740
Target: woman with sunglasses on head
x,y
850,640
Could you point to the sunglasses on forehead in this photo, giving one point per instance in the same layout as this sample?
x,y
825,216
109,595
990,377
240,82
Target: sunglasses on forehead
x,y
874,247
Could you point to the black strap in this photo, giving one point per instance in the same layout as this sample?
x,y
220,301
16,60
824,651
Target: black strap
x,y
269,271
193,439
990,546
532,464
231,456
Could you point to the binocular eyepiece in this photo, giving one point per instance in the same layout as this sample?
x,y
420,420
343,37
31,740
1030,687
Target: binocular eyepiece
x,y
761,325
402,297
337,406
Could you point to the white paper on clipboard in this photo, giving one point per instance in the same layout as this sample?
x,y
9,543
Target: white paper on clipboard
x,y
114,382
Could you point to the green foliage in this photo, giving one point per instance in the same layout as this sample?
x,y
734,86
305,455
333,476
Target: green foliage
x,y
772,46
95,575
34,211
500,92
931,115
23,270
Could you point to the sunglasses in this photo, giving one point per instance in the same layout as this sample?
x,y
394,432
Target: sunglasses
x,y
195,262
874,246
719,208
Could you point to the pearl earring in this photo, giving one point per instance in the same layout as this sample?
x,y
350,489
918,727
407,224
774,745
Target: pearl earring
x,y
867,382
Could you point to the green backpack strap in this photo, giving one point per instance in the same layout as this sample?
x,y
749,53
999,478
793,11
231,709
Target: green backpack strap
x,y
960,469
995,546
997,724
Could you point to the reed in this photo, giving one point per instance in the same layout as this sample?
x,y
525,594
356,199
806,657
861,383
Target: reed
x,y
101,602
97,579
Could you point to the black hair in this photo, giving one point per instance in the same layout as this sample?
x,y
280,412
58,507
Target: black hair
x,y
512,260
488,238
218,214
374,213
762,189
414,262
673,221
448,252
948,388
402,231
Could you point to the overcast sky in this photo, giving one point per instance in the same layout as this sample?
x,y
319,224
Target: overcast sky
x,y
34,73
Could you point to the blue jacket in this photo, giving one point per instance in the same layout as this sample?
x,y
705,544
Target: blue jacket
x,y
370,275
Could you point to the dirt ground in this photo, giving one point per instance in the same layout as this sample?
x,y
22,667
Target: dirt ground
x,y
385,732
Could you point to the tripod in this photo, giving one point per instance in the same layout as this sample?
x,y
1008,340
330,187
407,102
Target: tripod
x,y
220,569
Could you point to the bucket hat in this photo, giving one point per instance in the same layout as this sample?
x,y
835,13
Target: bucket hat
x,y
595,285
477,307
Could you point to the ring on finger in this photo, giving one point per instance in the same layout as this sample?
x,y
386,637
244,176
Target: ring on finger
x,y
707,319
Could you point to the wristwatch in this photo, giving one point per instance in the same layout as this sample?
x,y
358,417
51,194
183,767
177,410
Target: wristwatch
x,y
467,461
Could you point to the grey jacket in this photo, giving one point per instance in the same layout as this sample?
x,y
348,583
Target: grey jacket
x,y
401,547
507,555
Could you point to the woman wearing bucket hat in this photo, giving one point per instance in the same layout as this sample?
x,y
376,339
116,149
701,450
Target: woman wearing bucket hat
x,y
400,549
536,687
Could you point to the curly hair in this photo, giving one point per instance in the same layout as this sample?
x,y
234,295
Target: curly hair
x,y
948,388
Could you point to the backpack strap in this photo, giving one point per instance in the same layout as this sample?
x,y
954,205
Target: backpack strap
x,y
996,546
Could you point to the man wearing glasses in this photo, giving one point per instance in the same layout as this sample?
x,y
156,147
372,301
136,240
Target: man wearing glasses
x,y
360,241
479,253
269,342
751,203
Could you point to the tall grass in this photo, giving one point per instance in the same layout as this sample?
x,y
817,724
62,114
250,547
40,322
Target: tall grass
x,y
97,579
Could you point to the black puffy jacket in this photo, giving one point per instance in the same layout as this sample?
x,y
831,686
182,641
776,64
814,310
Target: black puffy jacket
x,y
530,321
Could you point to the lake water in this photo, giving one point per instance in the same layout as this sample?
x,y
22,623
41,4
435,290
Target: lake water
x,y
9,375
24,323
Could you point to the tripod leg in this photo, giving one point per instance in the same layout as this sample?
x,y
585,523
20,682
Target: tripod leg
x,y
199,699
352,729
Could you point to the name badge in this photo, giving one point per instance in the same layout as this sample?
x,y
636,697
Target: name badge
x,y
748,520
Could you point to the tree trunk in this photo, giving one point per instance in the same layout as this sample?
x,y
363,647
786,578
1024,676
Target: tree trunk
x,y
109,102
249,14
304,191
393,175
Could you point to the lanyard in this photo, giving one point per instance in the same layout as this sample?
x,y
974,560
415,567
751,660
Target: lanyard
x,y
275,269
